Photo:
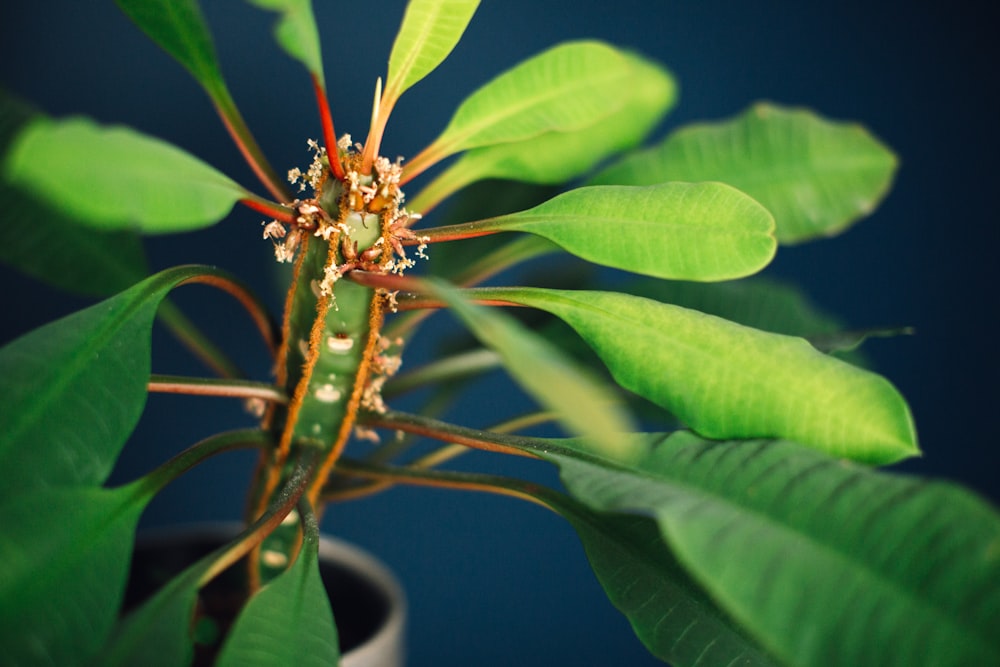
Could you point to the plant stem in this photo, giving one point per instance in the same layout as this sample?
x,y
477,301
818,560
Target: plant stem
x,y
154,482
514,488
432,428
246,298
455,367
270,209
193,386
329,134
244,140
185,331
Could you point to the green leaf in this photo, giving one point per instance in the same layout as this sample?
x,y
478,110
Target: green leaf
x,y
73,389
568,87
289,621
758,302
814,175
179,28
158,634
583,404
116,178
51,246
825,562
725,380
670,613
556,157
689,231
430,30
66,556
297,33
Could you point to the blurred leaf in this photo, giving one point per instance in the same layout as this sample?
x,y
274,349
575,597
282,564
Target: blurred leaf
x,y
556,157
430,30
825,562
729,381
158,633
296,32
693,231
66,554
73,389
568,87
814,175
51,246
584,405
289,621
179,28
116,178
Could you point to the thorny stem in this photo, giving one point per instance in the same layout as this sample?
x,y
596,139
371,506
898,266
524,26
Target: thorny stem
x,y
193,386
329,135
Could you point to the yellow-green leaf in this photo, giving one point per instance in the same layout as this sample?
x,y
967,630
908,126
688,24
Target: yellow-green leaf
x,y
685,231
430,30
726,380
114,177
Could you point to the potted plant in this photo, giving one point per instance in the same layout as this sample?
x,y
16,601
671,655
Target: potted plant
x,y
717,461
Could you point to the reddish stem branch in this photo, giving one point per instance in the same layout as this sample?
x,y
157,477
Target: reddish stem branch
x,y
279,213
329,135
169,384
246,299
244,141
468,440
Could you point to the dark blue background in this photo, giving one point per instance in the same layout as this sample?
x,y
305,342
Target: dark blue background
x,y
493,581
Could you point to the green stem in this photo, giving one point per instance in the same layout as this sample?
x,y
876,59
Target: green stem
x,y
155,481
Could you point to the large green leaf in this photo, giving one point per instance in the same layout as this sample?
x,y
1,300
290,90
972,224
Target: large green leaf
x,y
726,380
430,30
582,403
689,231
556,157
179,27
116,178
51,246
66,555
296,32
825,562
289,621
73,390
814,175
670,613
568,87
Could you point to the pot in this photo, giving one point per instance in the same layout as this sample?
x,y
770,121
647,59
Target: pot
x,y
368,603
